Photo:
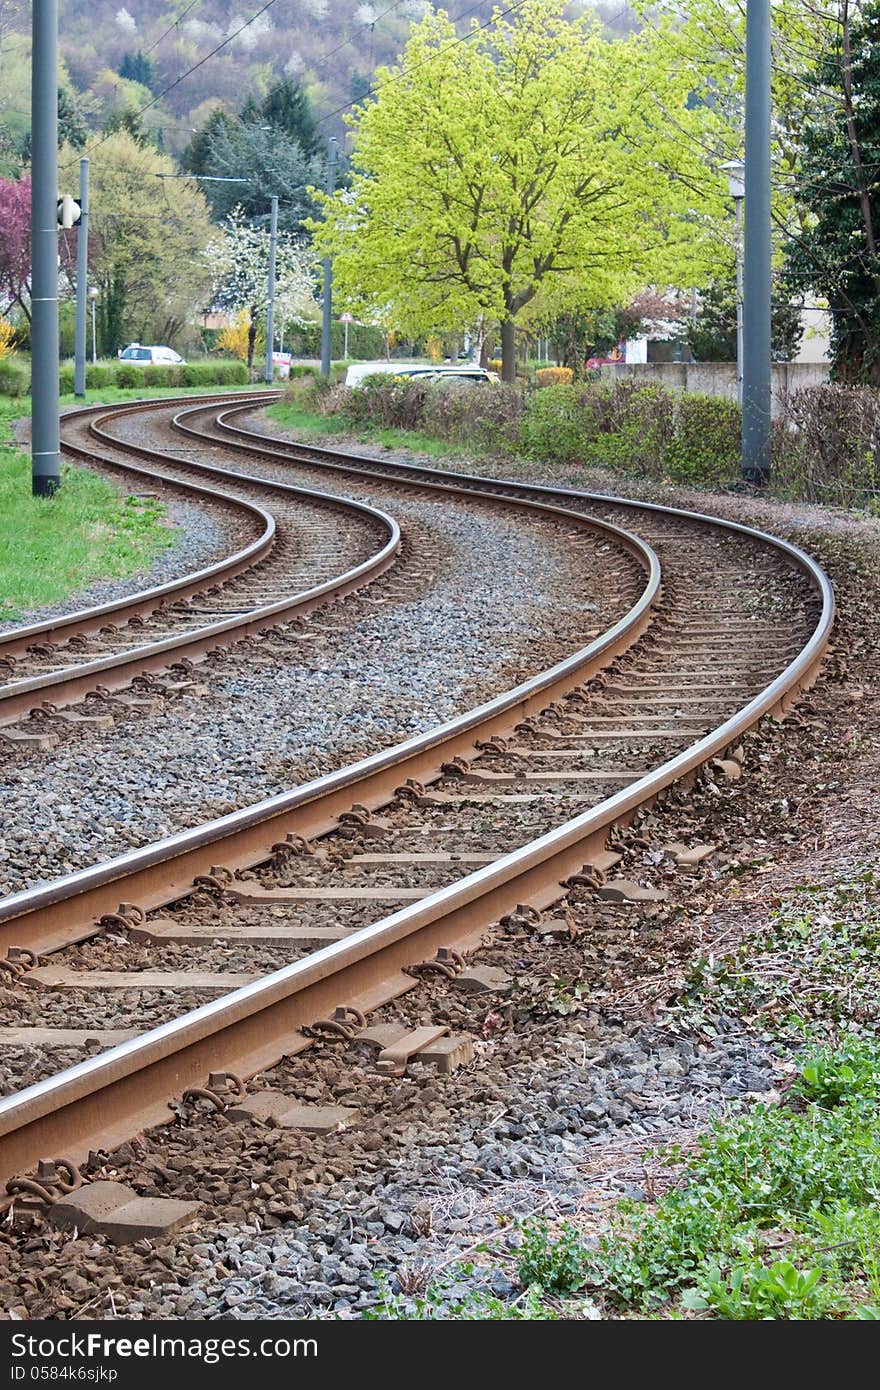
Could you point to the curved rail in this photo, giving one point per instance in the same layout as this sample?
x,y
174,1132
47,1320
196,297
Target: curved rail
x,y
67,684
130,1085
146,600
41,918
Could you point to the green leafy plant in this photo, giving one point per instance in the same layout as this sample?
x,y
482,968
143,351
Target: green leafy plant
x,y
809,1168
754,1292
557,1264
830,1076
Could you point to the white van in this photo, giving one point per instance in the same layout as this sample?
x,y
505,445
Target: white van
x,y
465,371
358,373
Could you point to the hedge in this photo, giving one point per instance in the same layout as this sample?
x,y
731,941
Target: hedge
x,y
127,374
14,379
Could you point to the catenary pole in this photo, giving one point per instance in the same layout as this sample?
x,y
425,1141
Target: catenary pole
x,y
756,258
82,275
270,307
328,268
739,300
45,428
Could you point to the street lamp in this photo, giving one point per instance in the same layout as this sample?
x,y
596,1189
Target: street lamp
x,y
346,319
736,173
93,296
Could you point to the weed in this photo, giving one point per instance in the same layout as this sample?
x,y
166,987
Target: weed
x,y
814,964
807,1172
558,1264
755,1292
831,1076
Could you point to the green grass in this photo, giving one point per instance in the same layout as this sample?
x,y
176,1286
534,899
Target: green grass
x,y
112,395
50,548
314,427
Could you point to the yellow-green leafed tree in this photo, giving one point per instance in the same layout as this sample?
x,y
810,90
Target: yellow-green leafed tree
x,y
530,168
147,241
709,37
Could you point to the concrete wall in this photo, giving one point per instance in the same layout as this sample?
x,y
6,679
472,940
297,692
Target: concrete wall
x,y
719,378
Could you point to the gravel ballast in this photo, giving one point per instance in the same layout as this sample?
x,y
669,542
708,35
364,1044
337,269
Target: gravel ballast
x,y
504,601
569,1091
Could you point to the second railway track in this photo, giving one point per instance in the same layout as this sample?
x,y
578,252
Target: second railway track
x,y
312,549
521,795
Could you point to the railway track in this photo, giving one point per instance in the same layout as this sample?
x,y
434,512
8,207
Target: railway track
x,y
522,795
290,568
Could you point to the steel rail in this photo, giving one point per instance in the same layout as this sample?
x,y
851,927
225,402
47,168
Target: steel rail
x,y
100,1102
68,908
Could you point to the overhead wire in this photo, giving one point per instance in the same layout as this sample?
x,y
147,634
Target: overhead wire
x,y
95,144
166,32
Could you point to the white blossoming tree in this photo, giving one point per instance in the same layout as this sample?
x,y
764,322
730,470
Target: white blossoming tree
x,y
239,264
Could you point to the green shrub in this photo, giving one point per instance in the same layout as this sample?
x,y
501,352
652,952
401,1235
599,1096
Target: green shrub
x,y
705,447
231,373
100,374
65,380
634,425
218,373
551,427
14,378
128,375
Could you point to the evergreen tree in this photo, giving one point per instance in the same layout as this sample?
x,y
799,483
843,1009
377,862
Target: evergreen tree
x,y
196,158
72,129
267,163
286,108
359,87
129,122
136,67
838,194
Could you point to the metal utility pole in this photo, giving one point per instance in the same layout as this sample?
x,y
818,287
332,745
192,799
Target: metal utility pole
x,y
45,428
82,275
328,268
756,288
270,308
740,354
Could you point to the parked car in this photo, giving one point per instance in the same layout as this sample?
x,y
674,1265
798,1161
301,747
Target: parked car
x,y
463,371
146,356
